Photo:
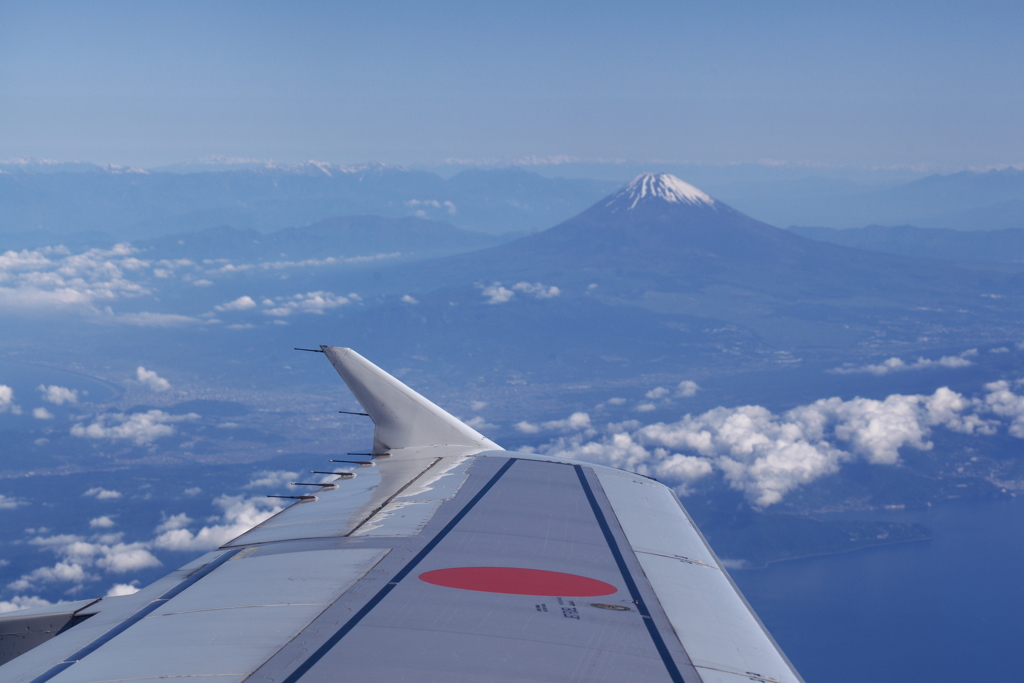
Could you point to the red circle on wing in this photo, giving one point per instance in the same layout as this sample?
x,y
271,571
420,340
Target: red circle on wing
x,y
518,581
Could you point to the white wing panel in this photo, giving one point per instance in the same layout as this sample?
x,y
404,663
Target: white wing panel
x,y
229,622
312,577
226,642
653,509
716,627
109,613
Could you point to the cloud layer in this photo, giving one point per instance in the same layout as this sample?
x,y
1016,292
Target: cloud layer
x,y
79,557
52,277
140,428
82,559
766,455
239,514
898,365
497,294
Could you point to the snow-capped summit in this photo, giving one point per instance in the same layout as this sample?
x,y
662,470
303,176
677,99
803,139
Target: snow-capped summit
x,y
663,186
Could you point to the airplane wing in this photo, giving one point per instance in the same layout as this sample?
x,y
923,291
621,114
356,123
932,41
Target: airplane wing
x,y
446,559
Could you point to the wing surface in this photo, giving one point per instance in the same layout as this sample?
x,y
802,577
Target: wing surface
x,y
448,559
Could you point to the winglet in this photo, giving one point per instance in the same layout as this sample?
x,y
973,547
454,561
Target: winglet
x,y
401,417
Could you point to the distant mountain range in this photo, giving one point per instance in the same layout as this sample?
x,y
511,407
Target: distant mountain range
x,y
84,204
42,201
350,236
1000,246
656,279
963,201
667,266
968,200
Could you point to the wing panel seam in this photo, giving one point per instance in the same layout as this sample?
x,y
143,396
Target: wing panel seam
x,y
627,577
397,493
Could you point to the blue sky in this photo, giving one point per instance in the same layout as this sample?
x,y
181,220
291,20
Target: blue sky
x,y
863,84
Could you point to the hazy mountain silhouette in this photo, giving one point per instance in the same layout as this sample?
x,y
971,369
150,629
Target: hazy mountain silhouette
x,y
968,200
1002,246
349,236
131,204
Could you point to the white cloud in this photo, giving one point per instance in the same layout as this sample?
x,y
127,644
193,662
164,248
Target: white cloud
x,y
687,388
1003,402
645,408
496,294
656,393
430,203
147,319
480,423
310,302
329,261
52,277
898,365
268,478
102,493
126,557
108,539
7,400
141,428
1001,349
765,455
67,572
478,405
410,299
194,491
58,395
107,553
42,414
119,589
165,268
537,290
178,521
9,503
242,303
575,422
103,522
152,380
239,515
616,401
22,602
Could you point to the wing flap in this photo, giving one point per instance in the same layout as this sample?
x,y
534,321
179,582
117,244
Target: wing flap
x,y
719,631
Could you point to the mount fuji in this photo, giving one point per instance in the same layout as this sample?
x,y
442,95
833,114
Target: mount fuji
x,y
660,235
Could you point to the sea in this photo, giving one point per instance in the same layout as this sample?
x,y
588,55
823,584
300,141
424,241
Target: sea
x,y
942,610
